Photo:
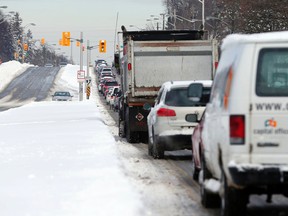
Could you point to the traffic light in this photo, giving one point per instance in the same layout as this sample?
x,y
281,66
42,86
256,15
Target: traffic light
x,y
25,46
60,42
66,38
102,46
42,41
77,43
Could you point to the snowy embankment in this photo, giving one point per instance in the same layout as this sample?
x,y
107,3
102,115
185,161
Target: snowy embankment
x,y
59,158
10,70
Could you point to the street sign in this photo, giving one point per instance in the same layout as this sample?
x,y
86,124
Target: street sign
x,y
81,75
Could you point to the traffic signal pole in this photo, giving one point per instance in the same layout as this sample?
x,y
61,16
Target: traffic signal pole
x,y
81,67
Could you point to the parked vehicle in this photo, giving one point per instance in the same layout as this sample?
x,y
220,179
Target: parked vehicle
x,y
187,56
245,129
168,125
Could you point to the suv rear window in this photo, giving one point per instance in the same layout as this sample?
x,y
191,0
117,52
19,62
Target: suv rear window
x,y
179,97
272,72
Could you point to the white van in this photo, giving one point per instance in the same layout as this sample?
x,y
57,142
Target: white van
x,y
245,132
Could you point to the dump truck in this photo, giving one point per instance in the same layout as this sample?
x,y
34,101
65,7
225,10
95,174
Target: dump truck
x,y
151,58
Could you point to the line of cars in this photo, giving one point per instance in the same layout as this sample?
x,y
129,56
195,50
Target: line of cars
x,y
107,84
239,133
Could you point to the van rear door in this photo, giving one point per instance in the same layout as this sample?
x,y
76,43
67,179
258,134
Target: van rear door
x,y
269,100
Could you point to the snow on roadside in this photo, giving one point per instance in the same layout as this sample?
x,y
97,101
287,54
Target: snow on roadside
x,y
10,70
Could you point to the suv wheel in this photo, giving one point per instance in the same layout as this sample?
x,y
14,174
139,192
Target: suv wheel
x,y
157,148
150,146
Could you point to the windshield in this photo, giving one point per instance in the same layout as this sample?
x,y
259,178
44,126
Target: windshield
x,y
62,94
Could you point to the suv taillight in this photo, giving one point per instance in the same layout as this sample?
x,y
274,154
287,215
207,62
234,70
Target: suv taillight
x,y
164,112
237,129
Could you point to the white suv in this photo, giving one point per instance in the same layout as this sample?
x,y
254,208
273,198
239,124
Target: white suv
x,y
245,131
174,116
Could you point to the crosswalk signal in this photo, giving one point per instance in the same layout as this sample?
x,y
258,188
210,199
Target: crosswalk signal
x,y
102,46
66,38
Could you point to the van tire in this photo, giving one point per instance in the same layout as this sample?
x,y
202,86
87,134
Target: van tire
x,y
234,201
196,173
208,199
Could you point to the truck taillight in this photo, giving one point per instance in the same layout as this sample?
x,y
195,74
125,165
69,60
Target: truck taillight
x,y
129,66
237,129
164,112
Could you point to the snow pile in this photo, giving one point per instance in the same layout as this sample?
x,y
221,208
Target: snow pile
x,y
59,158
9,70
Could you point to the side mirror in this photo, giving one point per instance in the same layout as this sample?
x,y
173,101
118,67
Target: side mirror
x,y
147,106
195,91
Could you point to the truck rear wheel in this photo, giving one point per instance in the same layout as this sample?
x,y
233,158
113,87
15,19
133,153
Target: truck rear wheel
x,y
121,129
132,137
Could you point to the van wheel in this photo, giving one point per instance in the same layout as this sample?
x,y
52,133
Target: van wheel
x,y
208,199
234,201
196,173
157,148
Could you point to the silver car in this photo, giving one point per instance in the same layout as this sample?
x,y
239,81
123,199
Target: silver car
x,y
62,96
174,116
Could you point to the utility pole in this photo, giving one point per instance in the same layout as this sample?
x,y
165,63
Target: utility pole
x,y
88,78
81,67
174,19
203,12
163,24
71,57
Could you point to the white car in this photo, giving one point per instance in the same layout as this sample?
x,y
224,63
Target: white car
x,y
245,131
168,126
113,94
48,65
62,96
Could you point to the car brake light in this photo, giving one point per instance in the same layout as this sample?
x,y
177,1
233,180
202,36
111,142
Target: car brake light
x,y
164,112
237,129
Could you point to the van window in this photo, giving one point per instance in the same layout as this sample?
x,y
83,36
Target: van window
x,y
272,72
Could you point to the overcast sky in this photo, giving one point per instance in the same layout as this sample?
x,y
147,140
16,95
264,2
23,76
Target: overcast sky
x,y
95,18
